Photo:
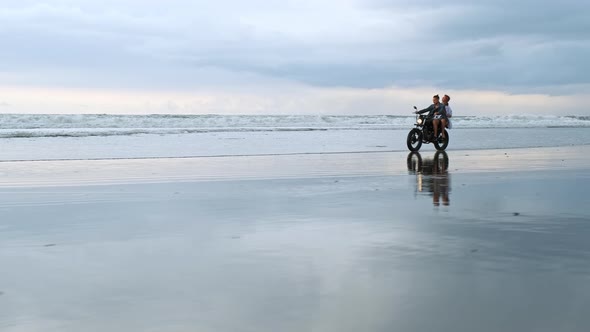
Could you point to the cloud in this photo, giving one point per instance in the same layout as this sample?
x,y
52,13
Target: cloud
x,y
518,47
282,98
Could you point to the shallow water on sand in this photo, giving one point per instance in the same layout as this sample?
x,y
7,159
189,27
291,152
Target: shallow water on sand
x,y
276,143
433,249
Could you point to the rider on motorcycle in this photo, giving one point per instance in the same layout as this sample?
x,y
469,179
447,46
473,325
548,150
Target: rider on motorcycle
x,y
436,111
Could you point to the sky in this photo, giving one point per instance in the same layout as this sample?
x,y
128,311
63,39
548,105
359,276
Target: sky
x,y
294,57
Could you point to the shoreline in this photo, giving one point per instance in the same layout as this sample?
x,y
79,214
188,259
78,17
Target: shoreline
x,y
275,143
265,167
286,154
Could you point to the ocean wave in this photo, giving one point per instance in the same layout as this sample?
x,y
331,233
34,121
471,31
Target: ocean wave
x,y
43,125
38,133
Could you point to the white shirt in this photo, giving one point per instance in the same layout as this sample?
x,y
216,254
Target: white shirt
x,y
449,115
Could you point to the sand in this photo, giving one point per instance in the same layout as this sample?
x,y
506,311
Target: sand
x,y
488,240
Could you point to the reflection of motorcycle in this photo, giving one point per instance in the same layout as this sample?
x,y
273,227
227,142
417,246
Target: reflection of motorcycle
x,y
424,133
432,174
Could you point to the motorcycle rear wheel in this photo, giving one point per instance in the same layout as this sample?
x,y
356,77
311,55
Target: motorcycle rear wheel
x,y
441,144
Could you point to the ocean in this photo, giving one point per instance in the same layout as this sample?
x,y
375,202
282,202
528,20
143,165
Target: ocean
x,y
58,137
46,125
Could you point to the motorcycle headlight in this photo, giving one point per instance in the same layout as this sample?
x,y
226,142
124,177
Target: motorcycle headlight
x,y
420,121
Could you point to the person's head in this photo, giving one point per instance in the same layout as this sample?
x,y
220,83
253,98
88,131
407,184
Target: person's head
x,y
446,99
435,99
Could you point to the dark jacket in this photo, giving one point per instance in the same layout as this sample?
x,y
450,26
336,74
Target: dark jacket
x,y
434,109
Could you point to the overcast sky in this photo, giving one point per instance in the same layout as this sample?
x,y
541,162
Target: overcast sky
x,y
287,56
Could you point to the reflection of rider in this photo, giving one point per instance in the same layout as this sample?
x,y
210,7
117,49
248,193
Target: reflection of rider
x,y
432,174
435,111
440,187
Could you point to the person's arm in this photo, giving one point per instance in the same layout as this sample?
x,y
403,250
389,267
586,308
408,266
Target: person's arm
x,y
428,109
449,111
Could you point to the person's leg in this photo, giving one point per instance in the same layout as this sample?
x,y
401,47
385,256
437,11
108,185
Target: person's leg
x,y
435,124
443,125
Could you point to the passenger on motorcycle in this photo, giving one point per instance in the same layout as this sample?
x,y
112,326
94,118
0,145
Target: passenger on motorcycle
x,y
446,123
436,112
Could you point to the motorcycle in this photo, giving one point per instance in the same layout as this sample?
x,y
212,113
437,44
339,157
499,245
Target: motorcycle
x,y
424,133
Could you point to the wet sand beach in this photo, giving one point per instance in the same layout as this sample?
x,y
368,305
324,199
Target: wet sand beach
x,y
489,240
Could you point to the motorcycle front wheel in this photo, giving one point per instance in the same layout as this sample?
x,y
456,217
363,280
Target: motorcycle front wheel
x,y
414,140
441,144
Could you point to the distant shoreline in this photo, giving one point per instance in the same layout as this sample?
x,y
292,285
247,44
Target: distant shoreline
x,y
268,167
